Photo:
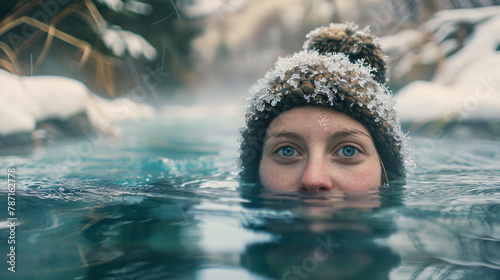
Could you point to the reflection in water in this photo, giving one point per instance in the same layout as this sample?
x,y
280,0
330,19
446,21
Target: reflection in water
x,y
149,239
165,236
318,257
327,237
457,242
113,218
196,230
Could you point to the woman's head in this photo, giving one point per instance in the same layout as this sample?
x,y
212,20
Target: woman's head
x,y
316,149
324,108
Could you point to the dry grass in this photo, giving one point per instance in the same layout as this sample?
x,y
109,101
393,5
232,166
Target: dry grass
x,y
84,10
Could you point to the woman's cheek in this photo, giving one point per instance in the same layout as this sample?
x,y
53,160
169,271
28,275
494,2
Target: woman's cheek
x,y
276,177
360,178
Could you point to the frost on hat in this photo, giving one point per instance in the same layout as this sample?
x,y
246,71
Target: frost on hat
x,y
340,67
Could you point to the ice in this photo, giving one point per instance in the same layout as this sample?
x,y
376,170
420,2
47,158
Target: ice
x,y
308,97
293,80
371,105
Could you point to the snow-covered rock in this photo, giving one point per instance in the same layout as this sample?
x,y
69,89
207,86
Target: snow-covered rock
x,y
26,101
482,45
466,86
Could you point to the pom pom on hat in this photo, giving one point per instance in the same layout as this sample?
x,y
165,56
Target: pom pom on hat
x,y
355,44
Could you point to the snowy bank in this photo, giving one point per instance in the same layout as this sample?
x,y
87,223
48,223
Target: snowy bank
x,y
25,102
466,85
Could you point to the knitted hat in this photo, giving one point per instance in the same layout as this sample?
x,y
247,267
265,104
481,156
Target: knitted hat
x,y
340,67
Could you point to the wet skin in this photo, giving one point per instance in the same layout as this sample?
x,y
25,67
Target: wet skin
x,y
317,149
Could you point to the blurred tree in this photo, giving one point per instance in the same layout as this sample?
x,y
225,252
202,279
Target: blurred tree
x,y
98,42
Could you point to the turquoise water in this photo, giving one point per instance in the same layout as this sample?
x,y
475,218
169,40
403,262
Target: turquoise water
x,y
164,202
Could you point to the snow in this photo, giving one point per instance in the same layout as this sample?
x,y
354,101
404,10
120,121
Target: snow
x,y
441,18
405,65
70,94
434,98
430,53
476,96
13,119
401,40
334,62
130,5
138,7
466,86
483,43
408,49
119,41
112,40
24,101
116,5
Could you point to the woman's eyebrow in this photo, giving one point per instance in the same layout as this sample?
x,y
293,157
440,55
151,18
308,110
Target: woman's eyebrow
x,y
347,133
284,134
338,134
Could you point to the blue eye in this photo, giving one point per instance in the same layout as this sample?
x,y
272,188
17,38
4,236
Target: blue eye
x,y
348,151
288,151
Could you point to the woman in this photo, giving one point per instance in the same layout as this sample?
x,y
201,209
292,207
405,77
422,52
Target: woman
x,y
322,119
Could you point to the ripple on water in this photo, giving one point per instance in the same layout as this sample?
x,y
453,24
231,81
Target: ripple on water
x,y
172,206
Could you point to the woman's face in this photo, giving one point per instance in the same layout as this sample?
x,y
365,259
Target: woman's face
x,y
317,149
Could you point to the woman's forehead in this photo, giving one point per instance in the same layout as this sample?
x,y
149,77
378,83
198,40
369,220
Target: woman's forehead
x,y
314,118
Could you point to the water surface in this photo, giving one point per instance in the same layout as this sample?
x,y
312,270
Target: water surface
x,y
164,202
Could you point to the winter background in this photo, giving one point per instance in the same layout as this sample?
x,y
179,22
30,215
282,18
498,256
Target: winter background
x,y
83,64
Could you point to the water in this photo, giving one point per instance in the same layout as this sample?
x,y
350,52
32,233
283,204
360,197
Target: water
x,y
164,202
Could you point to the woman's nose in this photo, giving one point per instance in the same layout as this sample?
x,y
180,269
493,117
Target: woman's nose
x,y
315,178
